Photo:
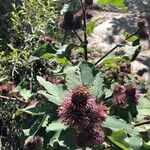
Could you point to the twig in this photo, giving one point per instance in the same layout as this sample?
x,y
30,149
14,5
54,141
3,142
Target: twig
x,y
142,123
118,45
31,77
84,29
78,36
14,99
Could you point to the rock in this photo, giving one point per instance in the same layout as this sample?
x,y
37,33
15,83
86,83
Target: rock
x,y
110,32
141,66
132,5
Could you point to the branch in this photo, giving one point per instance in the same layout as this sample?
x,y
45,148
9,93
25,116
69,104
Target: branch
x,y
77,36
118,45
84,29
142,123
14,99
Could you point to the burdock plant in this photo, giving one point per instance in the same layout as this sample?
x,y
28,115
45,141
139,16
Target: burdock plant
x,y
80,111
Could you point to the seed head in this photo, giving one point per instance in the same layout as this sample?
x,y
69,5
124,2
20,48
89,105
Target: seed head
x,y
124,95
90,136
133,94
119,96
33,143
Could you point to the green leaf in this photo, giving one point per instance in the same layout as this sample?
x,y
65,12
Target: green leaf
x,y
73,76
65,50
56,126
86,74
90,27
3,79
144,106
116,3
135,142
48,56
118,138
32,58
33,110
116,124
146,146
132,39
56,91
97,87
131,52
34,128
22,89
45,48
26,94
51,98
21,85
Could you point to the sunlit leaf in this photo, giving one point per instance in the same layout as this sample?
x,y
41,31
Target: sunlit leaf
x,y
73,76
118,138
97,87
90,27
56,92
86,74
116,3
56,126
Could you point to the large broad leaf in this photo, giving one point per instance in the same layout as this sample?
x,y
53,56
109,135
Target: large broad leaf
x,y
118,138
97,87
56,126
116,124
116,3
56,92
144,106
86,74
73,76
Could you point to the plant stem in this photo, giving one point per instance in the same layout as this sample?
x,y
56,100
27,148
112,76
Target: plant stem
x,y
142,123
78,36
14,99
118,45
84,29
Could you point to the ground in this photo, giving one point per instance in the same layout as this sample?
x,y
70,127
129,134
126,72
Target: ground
x,y
113,23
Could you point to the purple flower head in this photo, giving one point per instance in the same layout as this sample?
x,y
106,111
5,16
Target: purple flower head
x,y
133,94
33,143
124,95
76,107
91,136
119,96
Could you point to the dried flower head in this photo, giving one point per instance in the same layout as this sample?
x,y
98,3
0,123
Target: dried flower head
x,y
88,2
125,67
54,79
132,93
76,106
6,89
46,39
80,110
124,95
33,143
141,23
119,96
67,21
91,136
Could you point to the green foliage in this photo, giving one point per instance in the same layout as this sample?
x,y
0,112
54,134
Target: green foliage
x,y
43,76
31,20
116,3
90,27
